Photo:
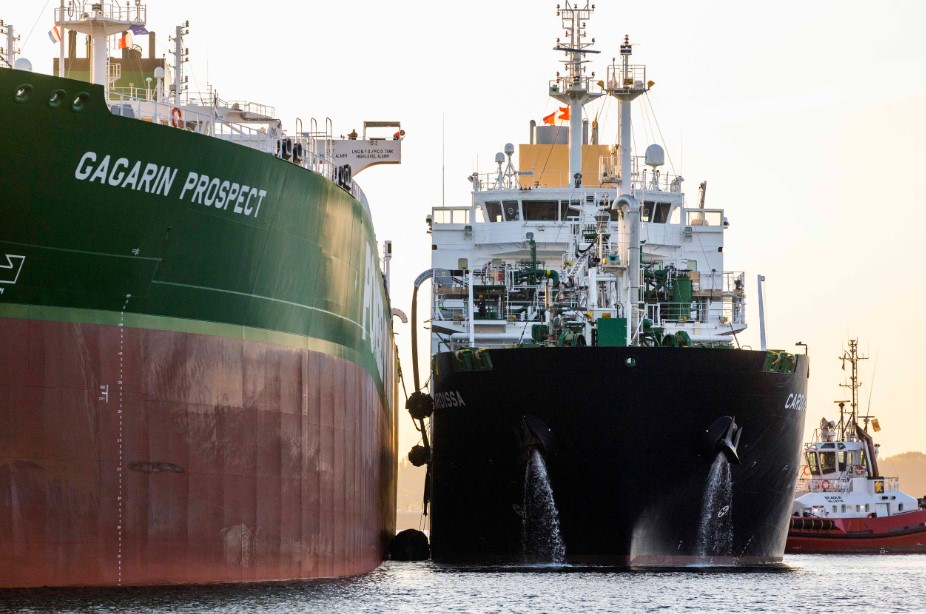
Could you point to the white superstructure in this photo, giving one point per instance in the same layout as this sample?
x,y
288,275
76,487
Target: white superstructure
x,y
614,255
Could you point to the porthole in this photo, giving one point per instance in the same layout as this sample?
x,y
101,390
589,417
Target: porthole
x,y
56,99
80,102
23,93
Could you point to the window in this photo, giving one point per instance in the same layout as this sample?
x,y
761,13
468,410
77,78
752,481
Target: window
x,y
812,463
512,212
827,462
657,213
900,507
842,460
494,211
540,210
565,212
646,212
661,216
451,216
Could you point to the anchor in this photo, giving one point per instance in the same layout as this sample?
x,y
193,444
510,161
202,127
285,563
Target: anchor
x,y
722,436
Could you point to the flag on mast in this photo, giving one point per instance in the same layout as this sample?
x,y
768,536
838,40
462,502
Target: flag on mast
x,y
550,119
55,35
564,113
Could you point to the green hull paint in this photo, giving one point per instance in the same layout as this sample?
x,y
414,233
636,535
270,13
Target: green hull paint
x,y
292,272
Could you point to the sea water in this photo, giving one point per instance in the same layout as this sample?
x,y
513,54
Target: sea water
x,y
805,583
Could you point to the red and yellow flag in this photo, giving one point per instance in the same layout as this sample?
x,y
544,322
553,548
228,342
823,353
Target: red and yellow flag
x,y
550,119
564,113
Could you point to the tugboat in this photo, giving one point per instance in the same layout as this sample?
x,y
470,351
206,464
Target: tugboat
x,y
845,504
589,400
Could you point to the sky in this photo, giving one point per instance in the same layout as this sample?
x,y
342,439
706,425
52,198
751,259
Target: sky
x,y
807,119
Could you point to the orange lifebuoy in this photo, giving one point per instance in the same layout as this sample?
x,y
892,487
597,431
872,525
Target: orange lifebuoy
x,y
825,484
176,117
859,470
806,470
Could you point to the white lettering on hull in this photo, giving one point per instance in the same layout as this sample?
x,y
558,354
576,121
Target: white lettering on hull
x,y
159,179
446,400
797,402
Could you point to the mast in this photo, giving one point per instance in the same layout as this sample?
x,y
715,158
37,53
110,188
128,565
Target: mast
x,y
626,82
573,88
852,356
102,20
181,55
10,51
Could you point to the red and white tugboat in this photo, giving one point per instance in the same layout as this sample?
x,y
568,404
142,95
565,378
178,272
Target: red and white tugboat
x,y
844,504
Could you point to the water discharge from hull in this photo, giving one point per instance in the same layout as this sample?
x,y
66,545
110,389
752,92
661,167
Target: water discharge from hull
x,y
715,532
540,538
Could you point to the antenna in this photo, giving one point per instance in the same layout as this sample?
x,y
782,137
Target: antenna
x,y
443,172
871,388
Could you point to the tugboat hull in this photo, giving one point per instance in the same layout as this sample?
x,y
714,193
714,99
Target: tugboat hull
x,y
898,534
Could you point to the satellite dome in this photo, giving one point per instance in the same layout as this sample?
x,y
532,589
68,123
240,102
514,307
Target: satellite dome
x,y
159,73
22,64
509,149
655,156
499,158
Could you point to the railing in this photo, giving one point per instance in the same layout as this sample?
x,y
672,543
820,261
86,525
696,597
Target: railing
x,y
204,122
734,281
207,99
841,485
81,9
634,79
160,112
703,217
643,178
719,313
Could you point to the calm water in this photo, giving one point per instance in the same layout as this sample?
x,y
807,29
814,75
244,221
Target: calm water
x,y
808,583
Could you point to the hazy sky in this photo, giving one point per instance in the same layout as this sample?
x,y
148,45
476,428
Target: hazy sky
x,y
807,119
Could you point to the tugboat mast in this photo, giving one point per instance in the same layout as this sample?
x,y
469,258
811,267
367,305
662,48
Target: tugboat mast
x,y
852,356
572,89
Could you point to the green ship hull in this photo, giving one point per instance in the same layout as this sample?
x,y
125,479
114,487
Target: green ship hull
x,y
197,371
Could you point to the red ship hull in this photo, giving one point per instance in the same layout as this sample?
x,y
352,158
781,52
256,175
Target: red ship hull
x,y
138,456
899,534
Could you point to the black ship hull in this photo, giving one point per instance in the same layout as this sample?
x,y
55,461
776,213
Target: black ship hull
x,y
625,451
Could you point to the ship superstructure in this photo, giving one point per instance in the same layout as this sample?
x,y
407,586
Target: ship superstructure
x,y
614,256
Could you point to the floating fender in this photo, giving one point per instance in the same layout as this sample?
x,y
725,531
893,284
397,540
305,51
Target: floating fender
x,y
536,434
419,405
410,545
418,456
722,436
